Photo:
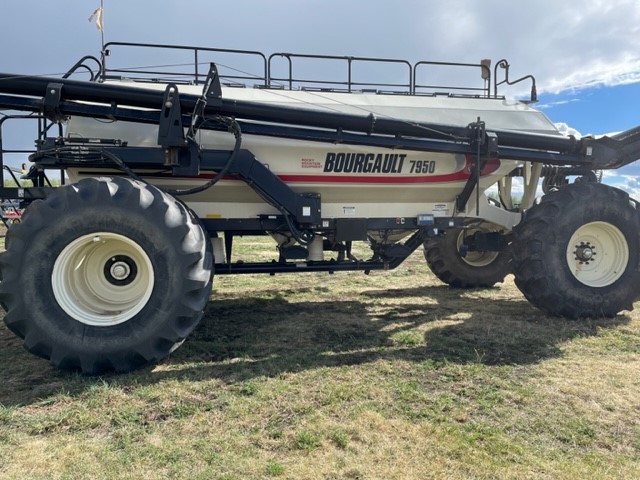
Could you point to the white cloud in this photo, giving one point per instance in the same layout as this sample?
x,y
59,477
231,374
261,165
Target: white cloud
x,y
567,45
628,183
566,130
543,106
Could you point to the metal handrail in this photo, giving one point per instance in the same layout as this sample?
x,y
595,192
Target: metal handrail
x,y
81,64
485,74
265,77
504,65
349,83
198,76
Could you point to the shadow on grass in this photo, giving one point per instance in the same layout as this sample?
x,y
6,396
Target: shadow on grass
x,y
241,338
272,335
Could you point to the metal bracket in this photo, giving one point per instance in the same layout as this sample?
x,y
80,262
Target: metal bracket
x,y
170,128
212,90
486,146
485,242
185,161
51,104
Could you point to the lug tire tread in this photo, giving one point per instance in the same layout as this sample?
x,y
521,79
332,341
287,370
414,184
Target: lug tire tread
x,y
445,262
175,228
541,237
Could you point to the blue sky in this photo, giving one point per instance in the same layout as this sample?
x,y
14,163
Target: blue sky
x,y
595,110
585,54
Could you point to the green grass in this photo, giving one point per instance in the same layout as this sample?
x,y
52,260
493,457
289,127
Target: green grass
x,y
344,376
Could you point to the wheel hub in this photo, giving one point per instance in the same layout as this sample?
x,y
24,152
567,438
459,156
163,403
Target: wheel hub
x,y
597,254
584,252
120,270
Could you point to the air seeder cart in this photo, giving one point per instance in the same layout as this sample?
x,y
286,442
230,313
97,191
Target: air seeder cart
x,y
163,171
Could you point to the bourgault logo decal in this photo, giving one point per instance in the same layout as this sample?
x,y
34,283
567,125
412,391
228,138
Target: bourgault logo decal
x,y
364,162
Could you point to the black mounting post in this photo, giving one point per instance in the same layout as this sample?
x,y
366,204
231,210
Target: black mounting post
x,y
179,154
170,129
478,138
212,88
228,246
51,102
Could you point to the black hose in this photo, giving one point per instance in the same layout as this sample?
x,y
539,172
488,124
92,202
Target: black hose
x,y
237,132
101,153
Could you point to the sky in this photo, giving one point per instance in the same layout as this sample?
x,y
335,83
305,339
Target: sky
x,y
585,54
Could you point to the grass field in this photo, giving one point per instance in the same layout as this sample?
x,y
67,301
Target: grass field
x,y
346,376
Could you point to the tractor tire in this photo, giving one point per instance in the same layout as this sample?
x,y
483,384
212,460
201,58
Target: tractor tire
x,y
475,270
105,274
575,253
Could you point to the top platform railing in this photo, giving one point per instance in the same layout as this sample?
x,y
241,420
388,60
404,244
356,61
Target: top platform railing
x,y
182,64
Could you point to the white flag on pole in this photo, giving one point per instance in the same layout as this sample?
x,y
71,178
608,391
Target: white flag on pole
x,y
97,16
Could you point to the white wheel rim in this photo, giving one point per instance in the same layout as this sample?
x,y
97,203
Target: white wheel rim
x,y
102,279
475,259
597,254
